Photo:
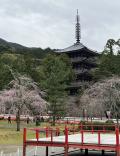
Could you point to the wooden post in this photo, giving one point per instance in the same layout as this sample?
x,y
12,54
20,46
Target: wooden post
x,y
66,151
51,135
98,137
46,132
103,152
66,142
24,141
66,135
82,137
74,128
58,132
117,142
86,151
92,128
37,135
81,127
46,150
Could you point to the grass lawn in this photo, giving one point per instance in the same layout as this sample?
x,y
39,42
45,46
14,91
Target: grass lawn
x,y
9,135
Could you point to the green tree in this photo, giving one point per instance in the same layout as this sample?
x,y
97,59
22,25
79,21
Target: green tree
x,y
109,46
118,44
15,62
109,63
8,58
55,75
5,76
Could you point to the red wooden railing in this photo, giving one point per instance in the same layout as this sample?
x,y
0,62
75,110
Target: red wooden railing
x,y
50,132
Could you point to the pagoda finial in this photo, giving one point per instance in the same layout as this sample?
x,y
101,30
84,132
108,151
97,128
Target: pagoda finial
x,y
78,31
77,11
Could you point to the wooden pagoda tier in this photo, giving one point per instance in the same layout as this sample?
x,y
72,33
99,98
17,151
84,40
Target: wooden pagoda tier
x,y
82,60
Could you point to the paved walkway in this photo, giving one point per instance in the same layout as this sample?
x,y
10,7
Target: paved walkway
x,y
108,139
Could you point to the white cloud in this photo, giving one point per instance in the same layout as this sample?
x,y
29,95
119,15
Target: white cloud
x,y
51,22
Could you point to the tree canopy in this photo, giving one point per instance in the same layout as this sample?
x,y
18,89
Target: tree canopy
x,y
103,96
22,97
109,62
55,76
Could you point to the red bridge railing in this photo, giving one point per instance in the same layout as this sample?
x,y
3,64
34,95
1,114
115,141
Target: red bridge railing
x,y
50,132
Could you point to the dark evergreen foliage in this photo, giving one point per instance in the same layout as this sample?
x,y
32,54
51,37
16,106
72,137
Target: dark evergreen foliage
x,y
19,49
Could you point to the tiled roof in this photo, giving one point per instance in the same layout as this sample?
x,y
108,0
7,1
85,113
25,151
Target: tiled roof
x,y
74,47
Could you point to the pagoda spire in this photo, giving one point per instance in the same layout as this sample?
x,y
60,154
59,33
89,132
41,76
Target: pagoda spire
x,y
78,29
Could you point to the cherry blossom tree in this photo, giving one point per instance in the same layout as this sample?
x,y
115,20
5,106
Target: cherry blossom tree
x,y
101,97
22,97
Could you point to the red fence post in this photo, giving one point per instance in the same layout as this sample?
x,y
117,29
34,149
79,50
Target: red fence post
x,y
57,131
37,135
66,142
82,137
46,132
51,135
24,141
81,127
117,142
98,137
66,135
117,136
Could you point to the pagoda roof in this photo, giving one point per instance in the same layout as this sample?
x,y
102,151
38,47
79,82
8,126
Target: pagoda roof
x,y
75,47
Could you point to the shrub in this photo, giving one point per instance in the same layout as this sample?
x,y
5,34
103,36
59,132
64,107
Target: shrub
x,y
109,122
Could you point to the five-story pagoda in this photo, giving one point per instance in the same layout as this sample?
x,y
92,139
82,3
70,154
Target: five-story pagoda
x,y
82,59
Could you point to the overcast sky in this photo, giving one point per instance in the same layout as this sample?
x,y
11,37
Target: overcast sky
x,y
51,23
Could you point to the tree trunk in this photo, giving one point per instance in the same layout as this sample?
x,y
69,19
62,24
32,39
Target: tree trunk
x,y
18,120
91,119
117,121
53,120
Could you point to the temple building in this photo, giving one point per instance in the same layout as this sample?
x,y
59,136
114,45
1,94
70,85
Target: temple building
x,y
82,59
